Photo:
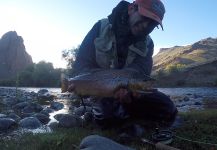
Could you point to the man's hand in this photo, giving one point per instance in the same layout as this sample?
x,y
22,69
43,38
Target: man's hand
x,y
123,95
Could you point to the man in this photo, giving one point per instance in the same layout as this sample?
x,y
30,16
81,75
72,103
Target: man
x,y
122,41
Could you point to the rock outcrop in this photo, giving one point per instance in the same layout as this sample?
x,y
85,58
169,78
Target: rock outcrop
x,y
13,55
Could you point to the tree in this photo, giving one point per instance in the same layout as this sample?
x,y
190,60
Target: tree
x,y
69,56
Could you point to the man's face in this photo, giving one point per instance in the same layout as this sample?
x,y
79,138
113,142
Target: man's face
x,y
139,25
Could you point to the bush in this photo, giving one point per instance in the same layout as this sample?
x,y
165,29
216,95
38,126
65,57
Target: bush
x,y
175,68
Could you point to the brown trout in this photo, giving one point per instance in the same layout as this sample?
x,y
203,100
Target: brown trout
x,y
104,83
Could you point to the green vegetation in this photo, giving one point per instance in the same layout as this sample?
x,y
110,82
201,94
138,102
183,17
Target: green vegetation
x,y
41,74
69,56
174,68
198,126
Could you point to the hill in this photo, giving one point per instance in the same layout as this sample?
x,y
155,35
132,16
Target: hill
x,y
14,57
201,52
198,62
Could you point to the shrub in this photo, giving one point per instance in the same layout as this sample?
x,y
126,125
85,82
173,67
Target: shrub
x,y
174,68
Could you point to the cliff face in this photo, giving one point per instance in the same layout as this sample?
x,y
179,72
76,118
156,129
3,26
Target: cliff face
x,y
13,55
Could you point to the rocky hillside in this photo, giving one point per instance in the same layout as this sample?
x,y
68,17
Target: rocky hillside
x,y
13,55
202,75
199,61
202,52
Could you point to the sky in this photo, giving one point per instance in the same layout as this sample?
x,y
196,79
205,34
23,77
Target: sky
x,y
50,26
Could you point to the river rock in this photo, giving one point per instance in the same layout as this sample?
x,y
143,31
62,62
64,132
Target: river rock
x,y
197,96
186,99
24,115
32,107
47,110
3,116
44,94
53,125
42,118
30,123
197,103
69,121
56,105
14,116
82,110
9,101
42,91
20,105
6,123
58,116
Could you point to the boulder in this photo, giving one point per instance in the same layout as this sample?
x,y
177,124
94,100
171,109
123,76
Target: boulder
x,y
69,121
56,105
6,123
30,123
44,119
14,116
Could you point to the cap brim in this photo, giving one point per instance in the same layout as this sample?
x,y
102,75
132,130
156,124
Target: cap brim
x,y
149,14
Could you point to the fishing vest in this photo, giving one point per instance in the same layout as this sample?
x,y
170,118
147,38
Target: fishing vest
x,y
106,50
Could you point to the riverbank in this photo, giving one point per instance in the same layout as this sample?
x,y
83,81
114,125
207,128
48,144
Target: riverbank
x,y
25,113
198,131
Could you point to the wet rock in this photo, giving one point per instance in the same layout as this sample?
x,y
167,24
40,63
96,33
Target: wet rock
x,y
44,94
53,125
197,103
42,91
197,96
30,123
68,121
56,105
3,116
20,105
9,101
72,108
42,118
28,109
47,110
58,116
14,116
32,107
24,115
33,94
6,123
82,110
186,99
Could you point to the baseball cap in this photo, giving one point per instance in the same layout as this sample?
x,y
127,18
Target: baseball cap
x,y
153,9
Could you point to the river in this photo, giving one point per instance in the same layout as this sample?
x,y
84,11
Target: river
x,y
202,91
